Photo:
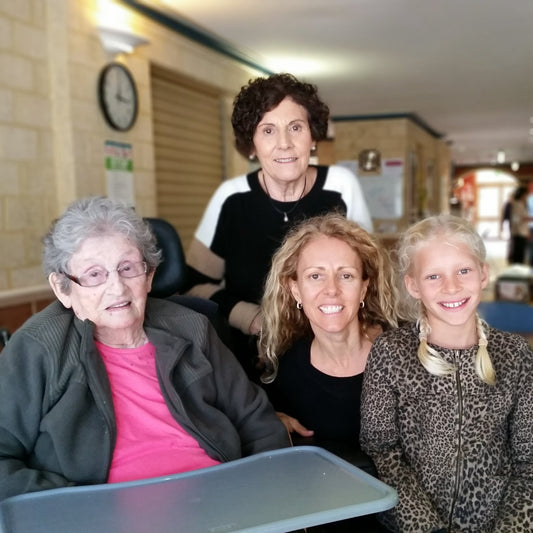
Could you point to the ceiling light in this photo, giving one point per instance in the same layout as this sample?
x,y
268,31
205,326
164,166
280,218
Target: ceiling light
x,y
295,65
500,157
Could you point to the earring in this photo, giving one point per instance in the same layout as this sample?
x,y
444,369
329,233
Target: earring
x,y
362,304
313,148
299,305
251,157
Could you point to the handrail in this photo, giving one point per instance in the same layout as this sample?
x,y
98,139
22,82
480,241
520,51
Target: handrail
x,y
25,295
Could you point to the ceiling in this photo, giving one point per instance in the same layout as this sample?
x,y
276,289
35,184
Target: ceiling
x,y
463,67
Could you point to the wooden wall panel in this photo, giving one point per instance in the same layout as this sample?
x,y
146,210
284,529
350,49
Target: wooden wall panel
x,y
188,148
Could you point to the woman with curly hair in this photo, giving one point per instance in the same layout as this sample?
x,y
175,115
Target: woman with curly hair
x,y
277,122
329,294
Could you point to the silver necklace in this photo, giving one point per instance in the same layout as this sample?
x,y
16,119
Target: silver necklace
x,y
281,212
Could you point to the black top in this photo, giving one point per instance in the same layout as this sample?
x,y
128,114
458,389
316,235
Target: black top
x,y
250,229
326,404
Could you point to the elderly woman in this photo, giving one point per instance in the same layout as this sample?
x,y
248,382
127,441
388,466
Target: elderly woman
x,y
108,385
277,122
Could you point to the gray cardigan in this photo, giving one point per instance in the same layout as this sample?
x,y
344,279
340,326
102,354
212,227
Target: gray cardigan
x,y
57,423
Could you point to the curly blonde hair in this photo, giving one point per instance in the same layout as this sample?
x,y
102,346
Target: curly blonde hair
x,y
450,228
283,323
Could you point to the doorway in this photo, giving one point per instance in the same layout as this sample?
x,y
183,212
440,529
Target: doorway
x,y
482,195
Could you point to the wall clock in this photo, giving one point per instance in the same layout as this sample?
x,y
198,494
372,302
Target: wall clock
x,y
117,96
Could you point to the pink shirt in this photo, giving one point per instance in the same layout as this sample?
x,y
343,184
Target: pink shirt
x,y
150,442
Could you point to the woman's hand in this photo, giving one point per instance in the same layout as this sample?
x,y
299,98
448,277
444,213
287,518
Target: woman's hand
x,y
293,426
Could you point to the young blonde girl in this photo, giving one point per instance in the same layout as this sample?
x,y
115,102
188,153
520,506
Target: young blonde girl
x,y
447,403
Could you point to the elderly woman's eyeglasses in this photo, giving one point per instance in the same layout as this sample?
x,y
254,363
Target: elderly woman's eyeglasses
x,y
98,275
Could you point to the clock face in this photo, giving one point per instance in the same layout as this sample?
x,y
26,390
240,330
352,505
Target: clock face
x,y
117,95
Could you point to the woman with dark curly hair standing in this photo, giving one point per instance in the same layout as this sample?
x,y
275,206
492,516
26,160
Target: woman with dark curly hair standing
x,y
277,121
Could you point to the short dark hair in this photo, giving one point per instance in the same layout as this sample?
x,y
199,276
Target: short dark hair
x,y
264,94
520,192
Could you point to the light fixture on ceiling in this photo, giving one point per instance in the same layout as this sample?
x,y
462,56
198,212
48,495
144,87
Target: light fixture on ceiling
x,y
119,41
500,156
515,165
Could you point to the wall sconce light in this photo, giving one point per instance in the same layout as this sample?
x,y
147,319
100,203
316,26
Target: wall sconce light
x,y
515,165
119,41
500,156
369,160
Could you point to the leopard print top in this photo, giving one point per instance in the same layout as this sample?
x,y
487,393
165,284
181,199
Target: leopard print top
x,y
458,451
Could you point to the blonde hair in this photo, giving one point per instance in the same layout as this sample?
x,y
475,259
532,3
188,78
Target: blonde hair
x,y
283,323
455,229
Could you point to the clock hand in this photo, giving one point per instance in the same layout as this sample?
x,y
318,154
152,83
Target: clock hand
x,y
118,84
120,98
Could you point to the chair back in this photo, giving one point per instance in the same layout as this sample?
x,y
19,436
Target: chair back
x,y
515,317
4,337
171,275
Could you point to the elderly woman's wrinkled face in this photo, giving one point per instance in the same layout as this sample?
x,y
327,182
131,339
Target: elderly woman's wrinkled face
x,y
282,141
117,306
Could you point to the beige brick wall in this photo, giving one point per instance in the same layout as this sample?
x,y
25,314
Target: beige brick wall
x,y
52,134
26,163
